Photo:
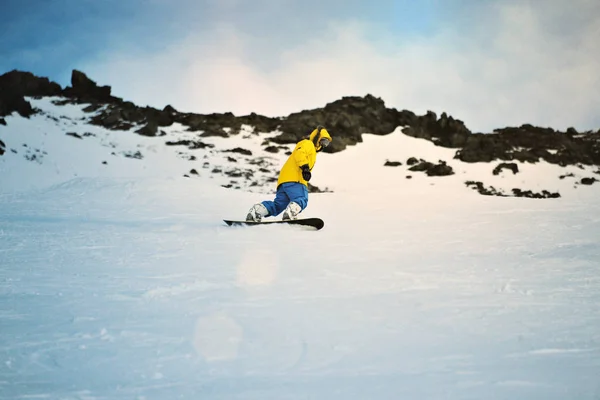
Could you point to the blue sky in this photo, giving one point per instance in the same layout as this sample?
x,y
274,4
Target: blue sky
x,y
490,63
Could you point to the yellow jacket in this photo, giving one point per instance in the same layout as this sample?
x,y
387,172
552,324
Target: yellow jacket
x,y
304,153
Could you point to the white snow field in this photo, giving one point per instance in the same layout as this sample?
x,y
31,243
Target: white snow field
x,y
124,283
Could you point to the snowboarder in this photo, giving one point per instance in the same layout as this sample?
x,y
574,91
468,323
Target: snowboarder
x,y
292,185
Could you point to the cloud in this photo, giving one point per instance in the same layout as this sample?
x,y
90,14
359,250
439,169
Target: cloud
x,y
504,63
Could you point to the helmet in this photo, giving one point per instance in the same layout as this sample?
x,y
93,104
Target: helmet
x,y
320,138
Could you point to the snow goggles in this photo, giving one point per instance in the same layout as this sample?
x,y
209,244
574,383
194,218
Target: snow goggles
x,y
324,142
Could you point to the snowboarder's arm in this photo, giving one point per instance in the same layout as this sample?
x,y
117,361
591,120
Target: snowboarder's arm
x,y
300,156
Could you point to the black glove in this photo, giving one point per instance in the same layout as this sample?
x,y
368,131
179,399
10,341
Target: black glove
x,y
306,172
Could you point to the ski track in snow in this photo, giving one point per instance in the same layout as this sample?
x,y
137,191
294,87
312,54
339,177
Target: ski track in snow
x,y
131,287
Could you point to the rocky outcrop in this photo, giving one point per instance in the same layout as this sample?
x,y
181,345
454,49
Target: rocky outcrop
x,y
544,194
482,189
509,166
491,191
316,189
588,181
532,144
346,119
2,147
85,90
239,150
16,85
190,144
74,134
10,102
445,131
431,169
392,163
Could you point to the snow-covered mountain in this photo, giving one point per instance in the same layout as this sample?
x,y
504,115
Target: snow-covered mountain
x,y
119,280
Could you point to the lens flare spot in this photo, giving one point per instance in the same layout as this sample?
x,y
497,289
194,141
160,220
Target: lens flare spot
x,y
217,338
257,268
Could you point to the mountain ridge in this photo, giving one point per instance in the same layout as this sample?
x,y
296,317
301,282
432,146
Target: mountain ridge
x,y
348,118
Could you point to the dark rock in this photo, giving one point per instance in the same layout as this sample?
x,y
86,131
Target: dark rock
x,y
11,102
115,118
445,131
441,169
150,129
408,176
392,164
239,150
191,144
491,191
272,149
236,173
2,148
510,166
75,135
104,162
412,161
85,90
529,194
160,118
421,166
169,110
20,84
481,189
588,181
569,175
92,108
211,124
231,159
137,155
345,119
260,123
194,172
572,131
2,121
316,189
214,131
529,143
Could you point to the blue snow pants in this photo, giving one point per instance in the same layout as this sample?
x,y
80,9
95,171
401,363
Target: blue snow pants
x,y
286,193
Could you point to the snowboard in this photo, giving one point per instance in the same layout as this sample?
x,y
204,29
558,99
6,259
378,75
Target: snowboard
x,y
316,223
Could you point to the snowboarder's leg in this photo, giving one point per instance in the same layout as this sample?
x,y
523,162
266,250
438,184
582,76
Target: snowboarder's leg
x,y
276,206
257,212
298,194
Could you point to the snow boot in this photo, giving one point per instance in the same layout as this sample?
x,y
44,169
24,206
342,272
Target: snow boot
x,y
291,211
257,212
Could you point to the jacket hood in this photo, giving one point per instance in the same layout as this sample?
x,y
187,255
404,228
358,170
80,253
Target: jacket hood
x,y
318,134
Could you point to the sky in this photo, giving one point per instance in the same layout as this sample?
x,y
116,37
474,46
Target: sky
x,y
489,63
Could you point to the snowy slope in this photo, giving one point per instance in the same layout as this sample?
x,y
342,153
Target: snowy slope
x,y
120,281
60,144
134,289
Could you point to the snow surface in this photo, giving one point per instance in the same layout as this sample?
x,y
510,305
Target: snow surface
x,y
121,281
